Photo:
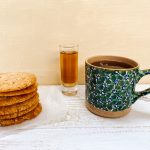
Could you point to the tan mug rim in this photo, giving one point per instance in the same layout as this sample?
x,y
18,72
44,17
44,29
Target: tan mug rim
x,y
91,59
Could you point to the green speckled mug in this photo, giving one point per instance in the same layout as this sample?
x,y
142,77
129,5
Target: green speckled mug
x,y
110,89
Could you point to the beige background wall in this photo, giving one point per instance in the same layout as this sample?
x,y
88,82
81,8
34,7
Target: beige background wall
x,y
31,30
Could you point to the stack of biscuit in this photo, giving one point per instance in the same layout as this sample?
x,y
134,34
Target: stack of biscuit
x,y
19,100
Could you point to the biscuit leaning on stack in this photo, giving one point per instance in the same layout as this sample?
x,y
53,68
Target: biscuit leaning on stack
x,y
19,100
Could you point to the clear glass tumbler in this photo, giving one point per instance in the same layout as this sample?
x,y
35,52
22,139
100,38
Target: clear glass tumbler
x,y
69,68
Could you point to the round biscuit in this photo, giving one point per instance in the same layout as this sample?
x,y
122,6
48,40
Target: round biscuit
x,y
27,90
19,113
7,110
16,81
11,100
30,115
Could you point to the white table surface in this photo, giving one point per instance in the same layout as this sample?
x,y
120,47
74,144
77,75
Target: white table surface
x,y
85,131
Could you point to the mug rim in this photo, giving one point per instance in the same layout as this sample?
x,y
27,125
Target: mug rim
x,y
113,56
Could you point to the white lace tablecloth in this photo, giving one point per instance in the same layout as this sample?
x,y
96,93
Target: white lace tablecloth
x,y
65,124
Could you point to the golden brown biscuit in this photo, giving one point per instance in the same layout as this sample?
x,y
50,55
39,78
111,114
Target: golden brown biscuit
x,y
7,110
30,115
16,81
27,90
10,100
19,113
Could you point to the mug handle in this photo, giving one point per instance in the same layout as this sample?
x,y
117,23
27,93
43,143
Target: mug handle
x,y
143,73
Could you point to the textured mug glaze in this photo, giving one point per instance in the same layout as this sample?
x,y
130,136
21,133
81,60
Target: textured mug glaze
x,y
113,89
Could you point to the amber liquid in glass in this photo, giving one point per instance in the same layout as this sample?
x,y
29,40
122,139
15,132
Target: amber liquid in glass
x,y
69,68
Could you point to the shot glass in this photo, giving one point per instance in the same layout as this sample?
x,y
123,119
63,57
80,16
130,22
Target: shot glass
x,y
69,68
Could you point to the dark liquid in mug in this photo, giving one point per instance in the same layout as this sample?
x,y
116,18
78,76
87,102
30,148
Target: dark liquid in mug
x,y
112,64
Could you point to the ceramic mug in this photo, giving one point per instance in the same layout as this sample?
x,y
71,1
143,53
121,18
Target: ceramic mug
x,y
110,91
